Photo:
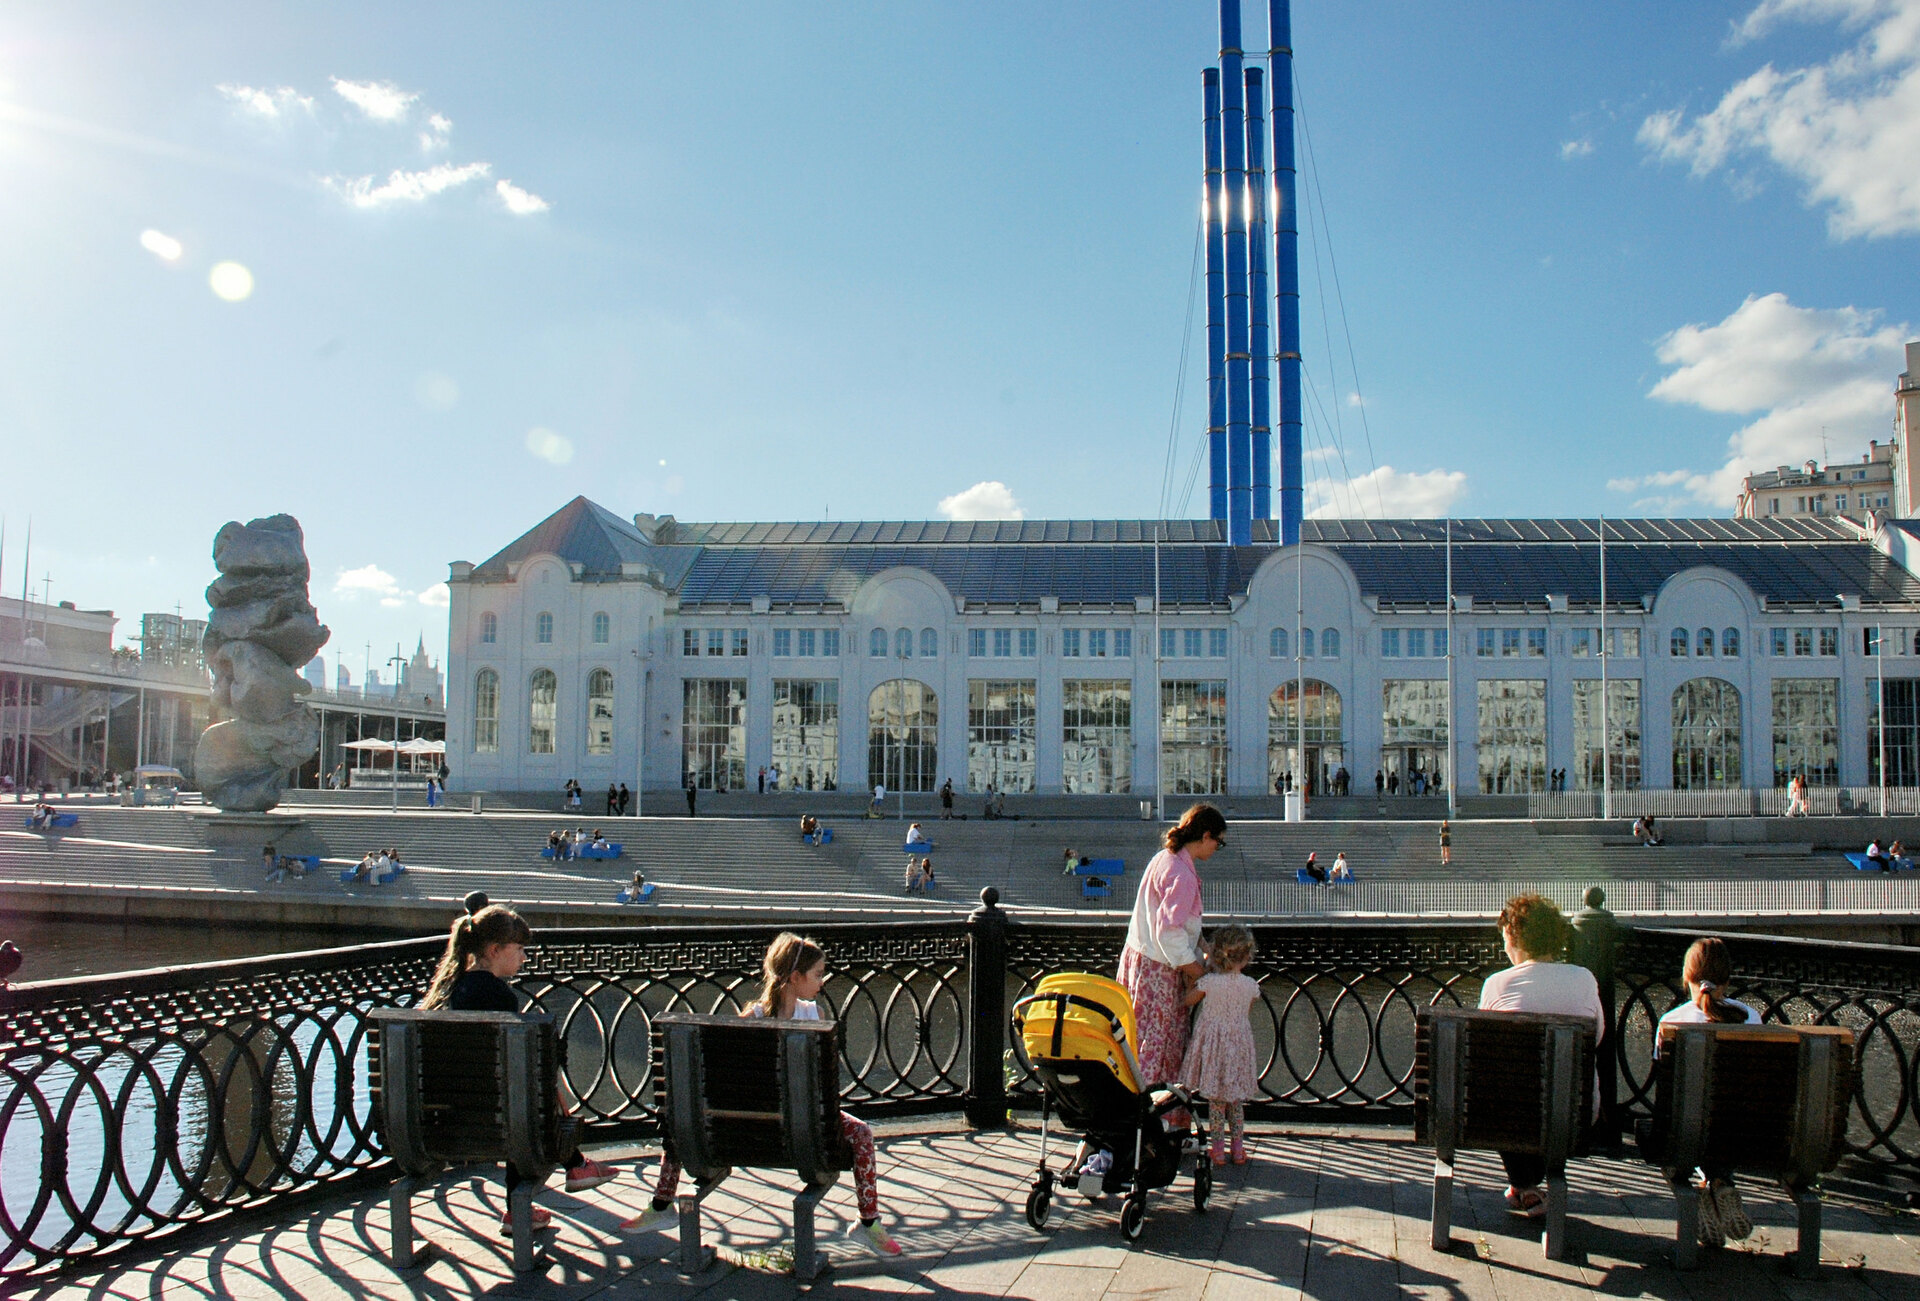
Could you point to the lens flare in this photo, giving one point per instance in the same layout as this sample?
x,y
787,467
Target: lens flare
x,y
231,281
164,247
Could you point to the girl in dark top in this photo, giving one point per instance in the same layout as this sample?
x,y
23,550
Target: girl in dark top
x,y
485,950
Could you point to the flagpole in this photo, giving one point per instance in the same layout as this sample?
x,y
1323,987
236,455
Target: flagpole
x,y
1606,715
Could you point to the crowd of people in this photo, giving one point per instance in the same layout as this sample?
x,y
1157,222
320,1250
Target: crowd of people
x,y
376,866
571,844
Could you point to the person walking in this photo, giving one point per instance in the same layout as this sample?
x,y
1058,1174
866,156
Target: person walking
x,y
1161,958
1446,842
1379,782
763,779
693,797
625,798
613,799
946,799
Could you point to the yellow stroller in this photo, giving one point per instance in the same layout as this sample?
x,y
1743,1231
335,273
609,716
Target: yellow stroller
x,y
1077,1033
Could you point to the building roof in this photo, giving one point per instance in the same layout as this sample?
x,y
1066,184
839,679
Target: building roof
x,y
1797,561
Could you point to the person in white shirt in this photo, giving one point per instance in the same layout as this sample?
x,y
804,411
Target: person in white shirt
x,y
1707,971
1536,933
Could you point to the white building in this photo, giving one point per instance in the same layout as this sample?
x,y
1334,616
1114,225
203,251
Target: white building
x,y
1023,653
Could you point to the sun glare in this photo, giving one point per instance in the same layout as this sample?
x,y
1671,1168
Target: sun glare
x,y
164,247
231,281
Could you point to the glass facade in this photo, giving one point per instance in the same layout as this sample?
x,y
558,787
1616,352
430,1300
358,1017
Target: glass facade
x,y
1413,727
600,712
1806,730
806,734
543,690
1193,736
1622,739
1001,736
903,735
1706,735
1096,737
1513,735
1903,732
1324,736
486,712
713,732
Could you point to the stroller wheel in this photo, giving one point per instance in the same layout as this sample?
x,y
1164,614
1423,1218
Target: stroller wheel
x,y
1039,1205
1133,1218
1202,1184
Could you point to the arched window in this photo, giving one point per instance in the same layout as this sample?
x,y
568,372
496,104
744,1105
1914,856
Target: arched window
x,y
543,692
1329,643
1706,735
1703,643
486,711
877,644
1730,643
903,643
903,730
543,627
600,711
602,628
1677,646
1324,736
929,644
1306,643
1277,644
489,627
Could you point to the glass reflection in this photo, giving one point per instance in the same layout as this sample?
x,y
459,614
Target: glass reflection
x,y
1096,737
806,734
543,690
1806,730
1324,739
1513,735
714,733
600,711
1193,736
1001,728
903,730
1622,745
1413,730
1706,735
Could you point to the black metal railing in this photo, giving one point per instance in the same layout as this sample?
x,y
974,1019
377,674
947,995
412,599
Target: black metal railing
x,y
132,1106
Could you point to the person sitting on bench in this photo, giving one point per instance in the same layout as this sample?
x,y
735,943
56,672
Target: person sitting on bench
x,y
1643,831
1313,868
636,888
485,949
1877,856
41,818
916,836
1707,971
912,878
792,973
809,826
1341,873
367,868
600,840
926,876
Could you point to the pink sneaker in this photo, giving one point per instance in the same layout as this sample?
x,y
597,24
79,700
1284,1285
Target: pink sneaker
x,y
542,1218
589,1174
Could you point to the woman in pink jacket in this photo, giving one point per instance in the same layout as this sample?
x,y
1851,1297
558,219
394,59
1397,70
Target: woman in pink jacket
x,y
1162,957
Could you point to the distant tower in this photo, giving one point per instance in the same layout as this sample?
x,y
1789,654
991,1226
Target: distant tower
x,y
316,672
1906,428
421,677
342,679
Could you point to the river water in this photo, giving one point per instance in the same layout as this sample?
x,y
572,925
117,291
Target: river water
x,y
56,950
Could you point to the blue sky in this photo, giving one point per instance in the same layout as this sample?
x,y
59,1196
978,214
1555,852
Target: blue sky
x,y
783,261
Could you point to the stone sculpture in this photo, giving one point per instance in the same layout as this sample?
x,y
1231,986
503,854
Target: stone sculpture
x,y
260,629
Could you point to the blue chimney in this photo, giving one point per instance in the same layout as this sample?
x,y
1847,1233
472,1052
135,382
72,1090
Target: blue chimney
x,y
1286,265
1233,134
1216,307
1258,341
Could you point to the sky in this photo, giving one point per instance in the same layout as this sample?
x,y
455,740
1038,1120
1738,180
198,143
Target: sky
x,y
419,274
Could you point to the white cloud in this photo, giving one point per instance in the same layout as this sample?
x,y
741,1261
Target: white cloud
x,y
1844,128
165,247
272,105
380,100
1576,148
1812,375
555,449
438,596
1661,479
440,124
988,499
518,201
406,187
393,602
1386,493
368,580
439,127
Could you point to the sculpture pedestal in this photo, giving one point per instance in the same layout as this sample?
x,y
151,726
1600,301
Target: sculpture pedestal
x,y
249,830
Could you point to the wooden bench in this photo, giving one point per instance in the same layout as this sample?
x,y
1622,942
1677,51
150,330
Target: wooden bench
x,y
736,1091
460,1087
1762,1099
1502,1082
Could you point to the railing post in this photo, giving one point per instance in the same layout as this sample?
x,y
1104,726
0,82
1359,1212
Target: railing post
x,y
1596,938
987,1003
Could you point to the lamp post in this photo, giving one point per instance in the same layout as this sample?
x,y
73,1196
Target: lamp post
x,y
902,653
397,663
1880,689
646,681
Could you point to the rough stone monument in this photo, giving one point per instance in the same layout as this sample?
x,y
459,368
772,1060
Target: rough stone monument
x,y
261,628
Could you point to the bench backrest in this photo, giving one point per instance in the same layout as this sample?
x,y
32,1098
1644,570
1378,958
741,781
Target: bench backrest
x,y
1501,1081
1770,1098
466,1086
740,1091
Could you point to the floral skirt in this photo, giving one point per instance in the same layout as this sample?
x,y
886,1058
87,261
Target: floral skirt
x,y
1159,1013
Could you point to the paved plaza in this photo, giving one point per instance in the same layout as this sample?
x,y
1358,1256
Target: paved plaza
x,y
1326,1215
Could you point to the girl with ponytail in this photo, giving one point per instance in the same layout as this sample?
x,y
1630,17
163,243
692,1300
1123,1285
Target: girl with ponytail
x,y
485,949
1707,971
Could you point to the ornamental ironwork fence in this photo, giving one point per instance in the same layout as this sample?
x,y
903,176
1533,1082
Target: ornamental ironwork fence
x,y
135,1106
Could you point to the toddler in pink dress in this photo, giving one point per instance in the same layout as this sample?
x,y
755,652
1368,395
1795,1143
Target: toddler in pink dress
x,y
1220,1055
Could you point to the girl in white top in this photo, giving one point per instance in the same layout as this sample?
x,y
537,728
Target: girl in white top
x,y
792,973
1707,971
1536,933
